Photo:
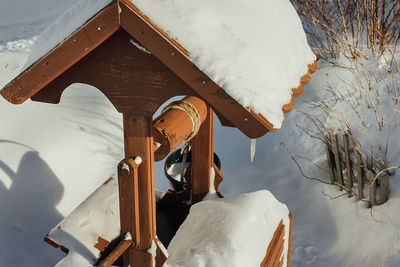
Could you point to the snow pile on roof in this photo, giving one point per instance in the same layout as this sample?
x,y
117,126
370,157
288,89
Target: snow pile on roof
x,y
257,51
98,214
234,231
63,27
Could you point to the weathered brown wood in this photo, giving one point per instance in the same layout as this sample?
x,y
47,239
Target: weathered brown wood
x,y
116,253
276,255
53,243
128,184
203,157
142,29
360,179
138,143
218,178
335,146
134,81
372,188
171,128
383,188
161,258
272,245
83,41
290,238
328,157
348,164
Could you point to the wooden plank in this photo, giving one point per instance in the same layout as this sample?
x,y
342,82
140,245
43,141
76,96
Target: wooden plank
x,y
151,37
383,188
372,189
277,250
79,44
277,262
290,238
219,177
128,185
161,254
138,143
360,179
272,244
329,158
348,165
116,253
134,81
337,161
203,157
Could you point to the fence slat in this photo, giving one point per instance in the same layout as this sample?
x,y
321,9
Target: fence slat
x,y
328,156
360,181
370,176
383,188
348,165
337,160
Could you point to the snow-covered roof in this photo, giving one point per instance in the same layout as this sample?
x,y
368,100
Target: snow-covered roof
x,y
257,52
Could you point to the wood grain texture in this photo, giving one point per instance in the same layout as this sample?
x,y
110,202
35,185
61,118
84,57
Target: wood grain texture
x,y
134,81
79,44
202,158
116,253
139,143
268,261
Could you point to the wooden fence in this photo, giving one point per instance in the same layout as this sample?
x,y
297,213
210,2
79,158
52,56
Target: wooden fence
x,y
347,170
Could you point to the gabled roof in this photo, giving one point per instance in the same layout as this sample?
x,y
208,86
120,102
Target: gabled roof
x,y
124,15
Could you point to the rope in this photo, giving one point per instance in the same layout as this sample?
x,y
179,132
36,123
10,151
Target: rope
x,y
191,110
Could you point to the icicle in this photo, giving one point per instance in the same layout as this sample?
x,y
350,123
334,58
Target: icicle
x,y
252,149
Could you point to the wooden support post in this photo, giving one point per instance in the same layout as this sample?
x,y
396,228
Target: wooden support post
x,y
138,143
203,157
360,179
337,161
348,165
329,158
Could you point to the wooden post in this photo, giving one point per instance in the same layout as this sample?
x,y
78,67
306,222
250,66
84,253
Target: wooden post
x,y
203,157
139,143
337,161
360,179
348,165
328,157
370,176
383,188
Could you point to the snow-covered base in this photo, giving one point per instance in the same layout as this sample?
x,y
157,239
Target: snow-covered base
x,y
233,231
73,259
97,216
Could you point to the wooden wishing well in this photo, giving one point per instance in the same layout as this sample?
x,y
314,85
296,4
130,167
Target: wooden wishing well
x,y
138,68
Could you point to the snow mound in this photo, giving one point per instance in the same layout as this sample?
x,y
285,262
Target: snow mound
x,y
234,231
73,259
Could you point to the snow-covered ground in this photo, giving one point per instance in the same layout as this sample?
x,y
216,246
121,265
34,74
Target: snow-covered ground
x,y
53,156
